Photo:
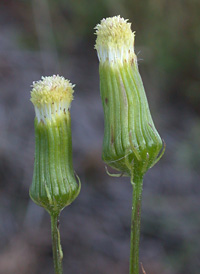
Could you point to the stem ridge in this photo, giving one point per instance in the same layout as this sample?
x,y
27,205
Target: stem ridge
x,y
56,245
137,183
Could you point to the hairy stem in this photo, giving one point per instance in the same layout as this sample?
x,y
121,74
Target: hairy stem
x,y
137,183
56,246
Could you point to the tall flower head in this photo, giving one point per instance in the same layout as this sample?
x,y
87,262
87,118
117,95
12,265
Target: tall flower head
x,y
131,141
54,185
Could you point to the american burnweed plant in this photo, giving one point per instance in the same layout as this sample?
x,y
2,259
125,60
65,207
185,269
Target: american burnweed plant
x,y
131,142
54,185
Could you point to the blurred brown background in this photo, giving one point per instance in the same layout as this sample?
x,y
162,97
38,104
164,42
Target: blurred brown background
x,y
45,37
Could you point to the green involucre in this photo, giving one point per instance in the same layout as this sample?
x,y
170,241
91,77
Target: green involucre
x,y
131,142
54,184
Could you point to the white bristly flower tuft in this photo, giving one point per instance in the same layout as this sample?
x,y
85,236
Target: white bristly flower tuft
x,y
51,96
115,40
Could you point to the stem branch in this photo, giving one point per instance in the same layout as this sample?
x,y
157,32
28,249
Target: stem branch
x,y
56,246
137,183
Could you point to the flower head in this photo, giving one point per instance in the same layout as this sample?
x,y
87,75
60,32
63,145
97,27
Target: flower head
x,y
51,96
115,39
54,184
131,142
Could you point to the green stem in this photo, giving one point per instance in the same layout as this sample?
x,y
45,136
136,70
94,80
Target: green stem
x,y
137,183
56,246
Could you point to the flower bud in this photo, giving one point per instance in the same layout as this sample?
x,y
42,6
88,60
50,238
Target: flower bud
x,y
131,142
54,185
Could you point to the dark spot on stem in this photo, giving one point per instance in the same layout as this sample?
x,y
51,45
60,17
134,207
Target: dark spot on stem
x,y
106,100
132,61
150,125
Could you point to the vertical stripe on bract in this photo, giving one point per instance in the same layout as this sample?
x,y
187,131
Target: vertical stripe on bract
x,y
117,115
48,182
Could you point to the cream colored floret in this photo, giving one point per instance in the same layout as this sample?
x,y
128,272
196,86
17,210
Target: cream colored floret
x,y
115,39
51,95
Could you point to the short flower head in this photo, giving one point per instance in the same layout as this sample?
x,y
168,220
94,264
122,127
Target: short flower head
x,y
54,185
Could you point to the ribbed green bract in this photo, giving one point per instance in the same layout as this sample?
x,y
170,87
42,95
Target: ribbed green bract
x,y
131,142
54,185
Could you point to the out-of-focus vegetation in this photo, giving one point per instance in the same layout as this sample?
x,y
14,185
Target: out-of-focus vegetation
x,y
42,37
168,30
